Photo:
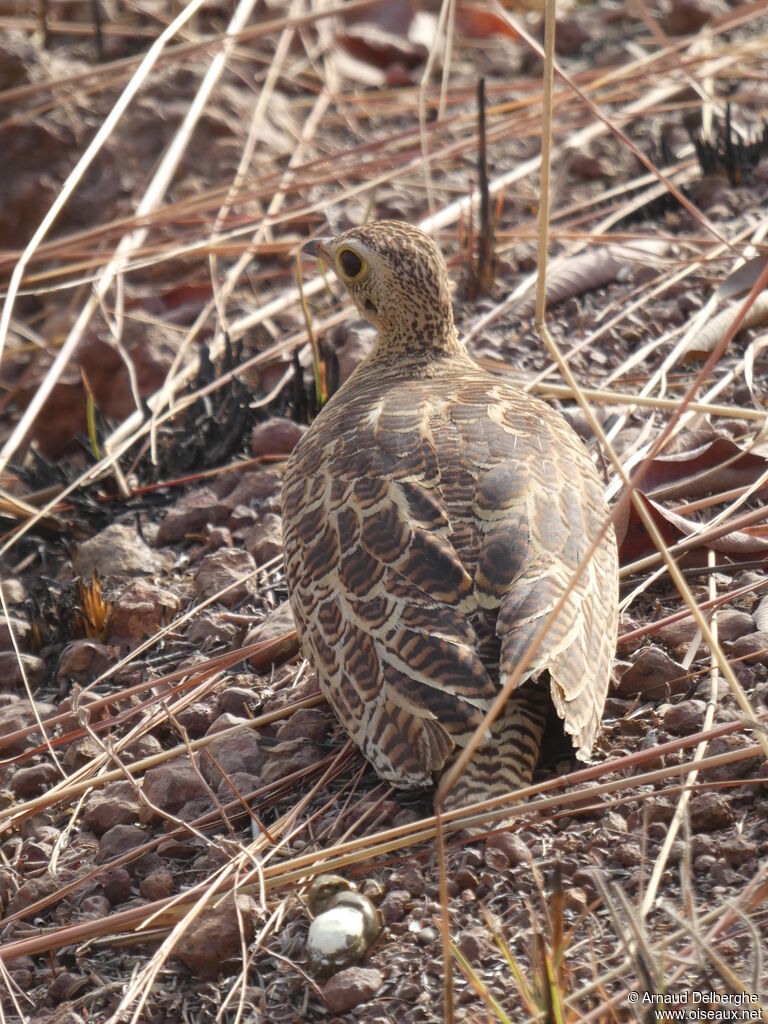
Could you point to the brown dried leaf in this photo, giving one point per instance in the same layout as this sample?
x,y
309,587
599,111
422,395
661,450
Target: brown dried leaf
x,y
711,468
634,541
476,21
715,328
594,269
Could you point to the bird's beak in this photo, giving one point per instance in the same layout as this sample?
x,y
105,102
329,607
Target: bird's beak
x,y
318,247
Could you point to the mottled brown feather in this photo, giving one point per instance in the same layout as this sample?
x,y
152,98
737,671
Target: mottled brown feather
x,y
433,517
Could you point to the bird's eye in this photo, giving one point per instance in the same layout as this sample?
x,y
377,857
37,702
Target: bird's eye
x,y
350,263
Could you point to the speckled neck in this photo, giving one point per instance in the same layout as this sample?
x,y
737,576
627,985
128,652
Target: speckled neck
x,y
423,339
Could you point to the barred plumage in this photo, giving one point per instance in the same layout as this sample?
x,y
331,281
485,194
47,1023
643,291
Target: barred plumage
x,y
433,516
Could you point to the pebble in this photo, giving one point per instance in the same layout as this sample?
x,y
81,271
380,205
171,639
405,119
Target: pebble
x,y
116,551
213,945
653,675
511,846
84,660
139,611
710,811
31,781
276,436
351,987
221,569
190,515
11,670
12,624
685,718
170,786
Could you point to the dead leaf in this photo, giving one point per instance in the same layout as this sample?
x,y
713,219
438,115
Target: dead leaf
x,y
476,21
373,45
594,269
716,327
635,543
711,468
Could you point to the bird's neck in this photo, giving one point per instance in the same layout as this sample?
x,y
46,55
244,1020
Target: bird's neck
x,y
423,341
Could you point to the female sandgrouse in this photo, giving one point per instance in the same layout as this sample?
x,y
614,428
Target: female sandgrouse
x,y
433,516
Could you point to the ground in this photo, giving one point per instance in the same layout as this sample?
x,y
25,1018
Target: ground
x,y
143,595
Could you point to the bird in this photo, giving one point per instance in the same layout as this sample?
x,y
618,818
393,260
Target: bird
x,y
345,925
433,516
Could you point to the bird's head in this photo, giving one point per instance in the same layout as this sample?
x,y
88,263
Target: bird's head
x,y
397,278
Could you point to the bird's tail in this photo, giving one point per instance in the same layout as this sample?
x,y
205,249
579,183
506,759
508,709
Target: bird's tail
x,y
505,762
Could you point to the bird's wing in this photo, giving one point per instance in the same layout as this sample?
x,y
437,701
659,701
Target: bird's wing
x,y
382,599
540,515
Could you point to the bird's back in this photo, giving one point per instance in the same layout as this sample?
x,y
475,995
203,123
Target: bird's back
x,y
432,521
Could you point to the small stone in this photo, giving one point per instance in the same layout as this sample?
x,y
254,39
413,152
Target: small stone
x,y
585,878
722,874
17,714
83,660
242,519
703,865
466,879
143,746
703,845
119,839
710,811
685,718
116,551
31,781
217,537
64,987
276,436
223,568
170,786
736,769
731,624
11,674
474,944
117,885
569,36
213,945
686,17
653,675
575,899
117,804
196,718
738,851
264,540
237,784
625,854
94,906
157,885
394,906
252,489
206,631
288,757
190,515
235,699
305,724
653,810
753,647
511,845
278,626
11,624
237,751
351,987
139,611
408,877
